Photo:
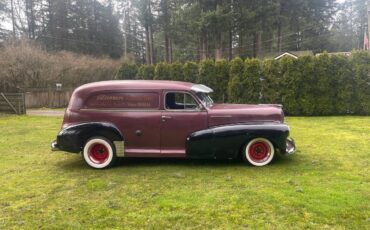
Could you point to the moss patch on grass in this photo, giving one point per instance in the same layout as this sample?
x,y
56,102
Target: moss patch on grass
x,y
324,186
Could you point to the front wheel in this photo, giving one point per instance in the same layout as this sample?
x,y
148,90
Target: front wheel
x,y
259,152
99,153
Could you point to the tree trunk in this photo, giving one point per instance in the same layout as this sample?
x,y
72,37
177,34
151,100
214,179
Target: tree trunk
x,y
147,45
368,19
279,32
230,45
151,46
257,43
33,23
125,45
170,51
240,45
218,50
279,37
13,19
126,32
167,47
203,47
30,18
142,49
219,40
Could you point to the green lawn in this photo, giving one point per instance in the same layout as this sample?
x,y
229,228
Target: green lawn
x,y
324,186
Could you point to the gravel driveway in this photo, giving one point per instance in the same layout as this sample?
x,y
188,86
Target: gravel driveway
x,y
45,112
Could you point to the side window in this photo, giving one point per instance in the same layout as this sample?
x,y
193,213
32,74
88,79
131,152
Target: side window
x,y
180,101
129,100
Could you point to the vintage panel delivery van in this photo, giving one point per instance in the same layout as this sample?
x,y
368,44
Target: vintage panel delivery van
x,y
111,119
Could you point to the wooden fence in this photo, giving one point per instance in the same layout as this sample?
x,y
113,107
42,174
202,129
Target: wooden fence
x,y
48,98
12,103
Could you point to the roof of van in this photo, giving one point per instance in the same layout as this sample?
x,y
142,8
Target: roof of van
x,y
138,84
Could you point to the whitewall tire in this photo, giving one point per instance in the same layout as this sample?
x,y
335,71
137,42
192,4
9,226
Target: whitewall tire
x,y
99,153
259,152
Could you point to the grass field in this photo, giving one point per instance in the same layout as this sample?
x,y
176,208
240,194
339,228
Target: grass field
x,y
324,186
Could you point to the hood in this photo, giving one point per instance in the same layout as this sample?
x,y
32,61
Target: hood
x,y
223,114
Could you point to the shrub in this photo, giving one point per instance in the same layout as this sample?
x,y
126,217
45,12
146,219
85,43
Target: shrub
x,y
291,82
323,94
162,71
305,89
345,102
176,72
127,71
207,73
25,65
145,72
323,85
271,82
251,81
191,71
235,88
221,80
361,70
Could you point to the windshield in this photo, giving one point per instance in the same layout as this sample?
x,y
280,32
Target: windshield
x,y
205,98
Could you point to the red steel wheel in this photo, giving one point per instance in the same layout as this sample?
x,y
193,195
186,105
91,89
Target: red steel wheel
x,y
259,152
99,153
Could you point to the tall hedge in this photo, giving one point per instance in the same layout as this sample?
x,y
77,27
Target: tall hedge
x,y
322,85
162,71
252,81
345,100
126,71
361,69
145,72
176,72
291,77
235,88
221,81
271,82
191,71
207,73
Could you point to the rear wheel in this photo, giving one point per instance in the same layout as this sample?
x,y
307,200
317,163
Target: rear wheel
x,y
259,152
99,153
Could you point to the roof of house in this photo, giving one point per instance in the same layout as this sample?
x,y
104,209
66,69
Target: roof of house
x,y
294,54
278,55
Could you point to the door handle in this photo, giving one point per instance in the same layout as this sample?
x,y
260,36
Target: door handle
x,y
164,118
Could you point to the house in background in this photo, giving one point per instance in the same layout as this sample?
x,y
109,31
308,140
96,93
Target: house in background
x,y
347,54
292,54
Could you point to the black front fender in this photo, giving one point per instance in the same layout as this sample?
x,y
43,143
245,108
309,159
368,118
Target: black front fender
x,y
73,138
227,141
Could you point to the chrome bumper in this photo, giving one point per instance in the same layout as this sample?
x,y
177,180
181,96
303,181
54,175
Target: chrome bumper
x,y
290,147
54,146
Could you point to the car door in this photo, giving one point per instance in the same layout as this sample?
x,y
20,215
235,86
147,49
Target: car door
x,y
182,115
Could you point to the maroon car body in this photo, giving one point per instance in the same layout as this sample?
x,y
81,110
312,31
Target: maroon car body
x,y
166,119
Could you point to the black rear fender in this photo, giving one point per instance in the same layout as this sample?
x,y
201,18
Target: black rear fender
x,y
74,137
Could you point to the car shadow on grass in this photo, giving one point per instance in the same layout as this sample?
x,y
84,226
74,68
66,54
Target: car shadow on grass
x,y
78,163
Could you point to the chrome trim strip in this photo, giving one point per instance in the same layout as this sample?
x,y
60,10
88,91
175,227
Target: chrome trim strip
x,y
122,110
225,116
120,148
